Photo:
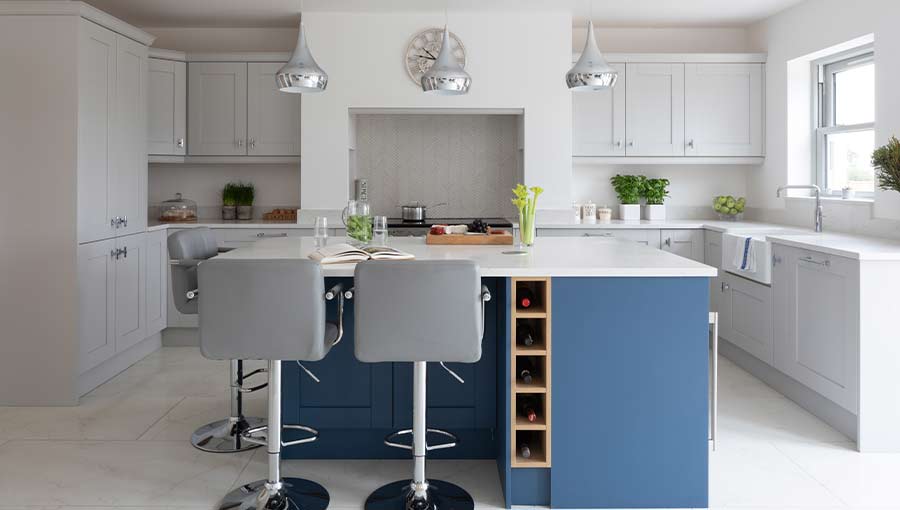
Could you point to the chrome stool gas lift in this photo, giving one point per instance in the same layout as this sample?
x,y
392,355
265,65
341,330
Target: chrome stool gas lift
x,y
287,301
187,248
395,322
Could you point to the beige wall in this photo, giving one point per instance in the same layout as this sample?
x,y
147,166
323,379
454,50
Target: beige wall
x,y
38,273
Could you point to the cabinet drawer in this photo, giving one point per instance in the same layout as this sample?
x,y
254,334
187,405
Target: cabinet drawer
x,y
229,235
648,236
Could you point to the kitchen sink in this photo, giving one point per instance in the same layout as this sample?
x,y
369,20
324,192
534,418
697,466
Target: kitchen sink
x,y
734,244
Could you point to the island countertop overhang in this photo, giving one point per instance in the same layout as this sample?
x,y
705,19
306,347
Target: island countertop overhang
x,y
555,257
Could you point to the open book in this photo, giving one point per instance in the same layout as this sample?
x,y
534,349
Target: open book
x,y
345,254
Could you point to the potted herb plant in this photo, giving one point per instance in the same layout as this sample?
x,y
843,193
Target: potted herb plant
x,y
886,159
628,188
654,192
229,201
245,201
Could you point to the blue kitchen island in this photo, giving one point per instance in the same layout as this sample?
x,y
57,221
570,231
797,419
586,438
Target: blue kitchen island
x,y
620,388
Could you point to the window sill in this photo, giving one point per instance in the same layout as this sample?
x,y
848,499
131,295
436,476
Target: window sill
x,y
837,200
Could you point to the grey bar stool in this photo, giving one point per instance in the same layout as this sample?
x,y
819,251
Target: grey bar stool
x,y
270,310
187,248
419,311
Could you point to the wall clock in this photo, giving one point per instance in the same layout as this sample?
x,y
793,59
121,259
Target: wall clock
x,y
423,49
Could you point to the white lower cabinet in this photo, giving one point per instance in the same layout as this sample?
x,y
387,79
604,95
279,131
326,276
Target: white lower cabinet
x,y
817,322
684,242
157,281
745,315
112,313
646,236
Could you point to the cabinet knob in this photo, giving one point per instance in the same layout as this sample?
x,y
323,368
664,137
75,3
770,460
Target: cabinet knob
x,y
725,286
180,143
690,143
668,242
618,143
252,143
631,143
240,142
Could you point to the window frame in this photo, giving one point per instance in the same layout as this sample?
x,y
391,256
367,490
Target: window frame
x,y
824,71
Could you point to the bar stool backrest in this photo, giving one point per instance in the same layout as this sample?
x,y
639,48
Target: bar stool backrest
x,y
189,244
428,310
263,309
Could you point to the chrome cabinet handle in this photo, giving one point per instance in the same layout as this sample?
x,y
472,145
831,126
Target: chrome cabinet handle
x,y
263,234
668,242
125,221
631,143
725,287
252,143
125,252
114,222
240,142
618,143
823,263
776,260
114,254
604,234
180,143
691,143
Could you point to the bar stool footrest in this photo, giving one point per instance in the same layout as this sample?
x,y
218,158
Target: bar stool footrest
x,y
309,439
391,439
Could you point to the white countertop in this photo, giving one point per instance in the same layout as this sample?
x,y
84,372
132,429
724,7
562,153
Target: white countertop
x,y
842,245
550,256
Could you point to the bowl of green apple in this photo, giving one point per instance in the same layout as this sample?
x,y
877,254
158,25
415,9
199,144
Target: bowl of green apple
x,y
729,207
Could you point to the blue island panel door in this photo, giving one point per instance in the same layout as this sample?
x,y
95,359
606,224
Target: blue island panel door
x,y
630,382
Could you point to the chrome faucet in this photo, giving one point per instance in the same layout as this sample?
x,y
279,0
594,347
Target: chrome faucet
x,y
818,199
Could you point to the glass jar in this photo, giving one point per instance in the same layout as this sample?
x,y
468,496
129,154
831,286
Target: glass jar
x,y
358,220
178,209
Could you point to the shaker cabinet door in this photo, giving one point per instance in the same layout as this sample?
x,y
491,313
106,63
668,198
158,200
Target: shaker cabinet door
x,y
817,322
685,243
745,316
157,282
723,109
131,274
273,117
167,114
217,109
598,119
96,303
129,191
654,112
96,118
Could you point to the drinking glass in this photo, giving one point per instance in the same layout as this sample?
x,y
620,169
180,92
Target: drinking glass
x,y
321,231
379,231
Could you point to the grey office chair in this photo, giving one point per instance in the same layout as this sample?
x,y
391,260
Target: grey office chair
x,y
419,311
270,310
187,248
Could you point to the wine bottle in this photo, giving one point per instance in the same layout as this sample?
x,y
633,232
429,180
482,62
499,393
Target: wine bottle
x,y
524,334
526,371
525,451
528,409
525,297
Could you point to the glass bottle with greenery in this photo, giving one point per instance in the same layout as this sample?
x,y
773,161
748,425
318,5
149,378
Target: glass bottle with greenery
x,y
525,201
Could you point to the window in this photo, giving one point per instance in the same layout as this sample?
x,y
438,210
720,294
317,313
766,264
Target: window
x,y
845,124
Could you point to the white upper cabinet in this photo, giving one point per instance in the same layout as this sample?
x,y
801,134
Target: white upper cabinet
x,y
217,109
598,120
273,117
167,119
129,193
654,110
723,109
96,117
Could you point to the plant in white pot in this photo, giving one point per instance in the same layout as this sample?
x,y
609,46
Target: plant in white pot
x,y
628,188
655,192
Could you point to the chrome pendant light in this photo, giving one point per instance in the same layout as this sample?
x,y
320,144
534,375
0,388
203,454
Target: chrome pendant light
x,y
591,72
446,77
301,75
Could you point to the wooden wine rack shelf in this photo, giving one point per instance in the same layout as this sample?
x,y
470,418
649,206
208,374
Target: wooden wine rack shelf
x,y
537,433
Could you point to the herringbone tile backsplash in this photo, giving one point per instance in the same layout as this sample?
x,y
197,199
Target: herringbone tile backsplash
x,y
471,162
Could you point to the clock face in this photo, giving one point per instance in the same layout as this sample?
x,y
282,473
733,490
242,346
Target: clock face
x,y
423,50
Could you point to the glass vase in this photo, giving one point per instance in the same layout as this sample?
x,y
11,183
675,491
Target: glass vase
x,y
526,229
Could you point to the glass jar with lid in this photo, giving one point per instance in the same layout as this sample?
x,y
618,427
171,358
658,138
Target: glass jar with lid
x,y
178,209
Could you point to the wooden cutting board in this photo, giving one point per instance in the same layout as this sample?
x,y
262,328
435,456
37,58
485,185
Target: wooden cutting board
x,y
505,238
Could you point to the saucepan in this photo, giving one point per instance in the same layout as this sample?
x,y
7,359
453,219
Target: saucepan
x,y
415,211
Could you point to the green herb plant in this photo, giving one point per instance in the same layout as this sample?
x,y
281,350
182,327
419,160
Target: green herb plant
x,y
886,159
655,191
246,193
525,200
230,194
628,188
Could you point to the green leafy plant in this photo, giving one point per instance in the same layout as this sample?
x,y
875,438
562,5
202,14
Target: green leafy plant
x,y
527,206
230,194
886,159
655,191
246,193
628,188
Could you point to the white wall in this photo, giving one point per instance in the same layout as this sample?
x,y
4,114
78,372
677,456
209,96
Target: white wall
x,y
802,30
665,40
517,60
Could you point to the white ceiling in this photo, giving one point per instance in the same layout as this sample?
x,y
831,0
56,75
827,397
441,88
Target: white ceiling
x,y
284,13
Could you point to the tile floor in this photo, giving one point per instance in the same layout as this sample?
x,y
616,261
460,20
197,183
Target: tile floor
x,y
127,446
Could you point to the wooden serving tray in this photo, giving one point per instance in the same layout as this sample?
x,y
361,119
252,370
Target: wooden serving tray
x,y
504,238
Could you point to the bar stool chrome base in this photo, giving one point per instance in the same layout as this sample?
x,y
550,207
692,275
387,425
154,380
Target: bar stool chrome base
x,y
290,494
399,496
224,436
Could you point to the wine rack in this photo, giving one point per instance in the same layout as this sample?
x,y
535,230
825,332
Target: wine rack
x,y
531,349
